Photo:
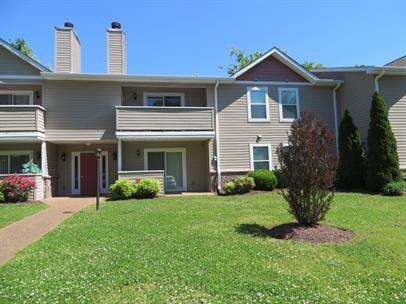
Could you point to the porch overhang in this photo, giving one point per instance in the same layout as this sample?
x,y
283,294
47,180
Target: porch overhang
x,y
10,137
164,135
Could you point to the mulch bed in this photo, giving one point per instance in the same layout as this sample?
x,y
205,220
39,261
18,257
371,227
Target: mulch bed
x,y
313,234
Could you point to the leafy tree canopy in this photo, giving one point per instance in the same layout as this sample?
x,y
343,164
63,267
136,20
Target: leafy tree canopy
x,y
242,59
22,45
312,65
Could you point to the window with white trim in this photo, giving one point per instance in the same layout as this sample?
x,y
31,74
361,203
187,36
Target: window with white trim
x,y
260,155
16,98
160,99
258,105
288,104
12,162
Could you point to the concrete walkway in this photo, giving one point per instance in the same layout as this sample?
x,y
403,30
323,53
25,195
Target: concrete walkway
x,y
20,234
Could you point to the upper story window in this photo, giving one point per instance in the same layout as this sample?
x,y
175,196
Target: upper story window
x,y
258,105
16,98
288,104
12,162
260,155
160,99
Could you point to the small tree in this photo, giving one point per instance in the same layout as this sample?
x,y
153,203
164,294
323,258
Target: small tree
x,y
242,59
382,163
312,65
350,172
308,165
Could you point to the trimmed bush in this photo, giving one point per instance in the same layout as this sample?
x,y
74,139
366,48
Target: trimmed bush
x,y
350,171
263,179
281,180
122,189
1,197
16,188
240,185
147,188
382,164
309,168
395,188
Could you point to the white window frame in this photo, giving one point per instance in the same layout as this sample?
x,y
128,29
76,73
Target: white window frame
x,y
19,92
281,118
164,94
9,153
182,150
252,161
250,119
74,191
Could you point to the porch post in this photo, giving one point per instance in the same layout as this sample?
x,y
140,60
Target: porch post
x,y
44,165
119,158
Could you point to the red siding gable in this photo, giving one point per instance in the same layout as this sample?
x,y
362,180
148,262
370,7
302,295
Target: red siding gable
x,y
271,69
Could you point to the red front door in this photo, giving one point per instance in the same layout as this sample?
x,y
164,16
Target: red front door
x,y
88,174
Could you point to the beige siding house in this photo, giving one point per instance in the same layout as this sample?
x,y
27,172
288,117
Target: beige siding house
x,y
191,133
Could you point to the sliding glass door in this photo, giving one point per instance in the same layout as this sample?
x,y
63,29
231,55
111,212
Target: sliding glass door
x,y
172,162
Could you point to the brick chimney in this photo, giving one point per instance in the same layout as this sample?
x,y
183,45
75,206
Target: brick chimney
x,y
67,49
116,50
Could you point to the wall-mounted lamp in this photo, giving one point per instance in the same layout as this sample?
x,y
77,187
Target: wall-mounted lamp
x,y
135,96
63,156
259,136
38,155
138,152
37,95
114,155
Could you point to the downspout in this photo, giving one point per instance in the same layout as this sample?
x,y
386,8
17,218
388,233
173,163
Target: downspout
x,y
216,109
335,114
376,80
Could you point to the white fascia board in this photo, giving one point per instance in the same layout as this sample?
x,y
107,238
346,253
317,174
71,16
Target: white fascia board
x,y
134,78
165,135
21,136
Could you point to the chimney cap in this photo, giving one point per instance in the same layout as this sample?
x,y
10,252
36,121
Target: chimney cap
x,y
115,25
68,24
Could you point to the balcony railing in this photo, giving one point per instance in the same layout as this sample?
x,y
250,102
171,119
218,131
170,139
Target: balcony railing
x,y
130,118
22,118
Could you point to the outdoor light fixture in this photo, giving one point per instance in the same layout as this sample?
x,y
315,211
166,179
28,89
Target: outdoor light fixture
x,y
135,96
259,136
37,95
63,156
38,155
114,155
138,152
98,155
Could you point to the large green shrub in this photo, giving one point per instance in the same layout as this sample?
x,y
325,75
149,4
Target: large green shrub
x,y
350,172
281,180
1,197
395,188
382,161
122,189
309,168
147,188
240,185
263,179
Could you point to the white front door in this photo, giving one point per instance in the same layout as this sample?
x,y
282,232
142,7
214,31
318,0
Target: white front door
x,y
173,162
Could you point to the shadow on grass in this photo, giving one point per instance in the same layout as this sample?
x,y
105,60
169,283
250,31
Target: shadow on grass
x,y
252,229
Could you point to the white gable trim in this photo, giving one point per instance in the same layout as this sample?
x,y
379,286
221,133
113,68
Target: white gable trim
x,y
284,59
24,57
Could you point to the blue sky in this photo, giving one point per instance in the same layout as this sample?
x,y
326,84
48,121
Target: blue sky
x,y
188,37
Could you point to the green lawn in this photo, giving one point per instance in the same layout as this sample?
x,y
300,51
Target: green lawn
x,y
192,250
10,213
